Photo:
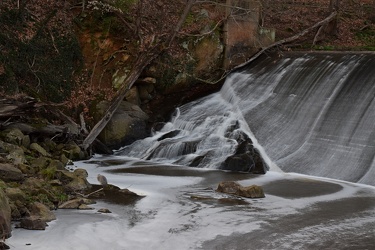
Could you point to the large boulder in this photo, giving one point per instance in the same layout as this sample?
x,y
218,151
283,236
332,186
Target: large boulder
x,y
127,124
40,210
5,216
33,223
246,157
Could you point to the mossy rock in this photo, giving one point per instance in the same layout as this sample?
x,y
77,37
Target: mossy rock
x,y
13,136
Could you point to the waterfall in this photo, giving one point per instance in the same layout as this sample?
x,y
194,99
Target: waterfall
x,y
310,113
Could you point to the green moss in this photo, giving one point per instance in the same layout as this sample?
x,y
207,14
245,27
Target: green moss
x,y
48,173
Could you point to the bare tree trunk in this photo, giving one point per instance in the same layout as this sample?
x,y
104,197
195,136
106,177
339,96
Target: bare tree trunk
x,y
334,5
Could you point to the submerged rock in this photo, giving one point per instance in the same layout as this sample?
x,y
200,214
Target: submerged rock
x,y
234,188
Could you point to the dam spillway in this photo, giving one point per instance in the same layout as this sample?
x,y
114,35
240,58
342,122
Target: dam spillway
x,y
313,113
309,113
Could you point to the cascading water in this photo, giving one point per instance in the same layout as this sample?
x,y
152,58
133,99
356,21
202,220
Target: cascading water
x,y
206,133
313,114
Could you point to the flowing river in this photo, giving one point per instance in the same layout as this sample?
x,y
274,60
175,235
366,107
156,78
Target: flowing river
x,y
312,118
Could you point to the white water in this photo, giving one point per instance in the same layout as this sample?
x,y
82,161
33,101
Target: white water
x,y
304,126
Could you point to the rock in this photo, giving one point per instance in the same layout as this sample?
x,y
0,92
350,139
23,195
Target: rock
x,y
104,211
33,223
15,212
146,89
78,184
56,164
13,136
33,183
15,194
80,172
246,158
14,152
4,246
234,188
85,207
228,187
128,192
75,203
132,96
40,210
10,173
73,152
5,216
126,125
39,163
37,148
74,181
252,191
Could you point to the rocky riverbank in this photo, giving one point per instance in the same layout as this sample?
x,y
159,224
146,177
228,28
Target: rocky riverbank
x,y
35,179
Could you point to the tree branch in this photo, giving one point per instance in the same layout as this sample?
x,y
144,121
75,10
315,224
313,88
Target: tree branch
x,y
287,40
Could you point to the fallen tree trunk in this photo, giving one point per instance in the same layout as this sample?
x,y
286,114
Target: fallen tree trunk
x,y
142,61
287,40
9,108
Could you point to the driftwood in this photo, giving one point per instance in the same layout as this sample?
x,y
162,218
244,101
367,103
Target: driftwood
x,y
10,108
142,61
328,19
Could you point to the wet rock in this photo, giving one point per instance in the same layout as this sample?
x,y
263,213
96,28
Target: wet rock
x,y
10,173
40,210
74,182
4,246
75,203
234,188
228,187
33,223
78,184
128,192
5,216
252,191
85,207
170,134
104,211
246,158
